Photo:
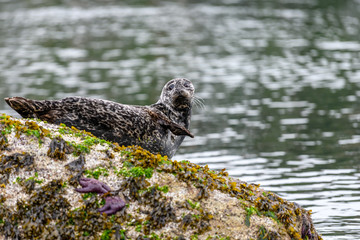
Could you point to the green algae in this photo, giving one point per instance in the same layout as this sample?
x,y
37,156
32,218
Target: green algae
x,y
250,211
88,139
164,189
194,205
30,128
135,172
97,172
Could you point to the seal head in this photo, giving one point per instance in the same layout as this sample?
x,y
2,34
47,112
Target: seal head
x,y
177,94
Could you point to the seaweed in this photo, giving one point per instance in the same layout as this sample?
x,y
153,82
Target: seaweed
x,y
3,142
76,165
14,162
58,149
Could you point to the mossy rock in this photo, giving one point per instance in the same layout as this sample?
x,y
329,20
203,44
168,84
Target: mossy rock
x,y
166,199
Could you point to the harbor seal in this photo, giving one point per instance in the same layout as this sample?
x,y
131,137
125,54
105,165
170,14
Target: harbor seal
x,y
159,128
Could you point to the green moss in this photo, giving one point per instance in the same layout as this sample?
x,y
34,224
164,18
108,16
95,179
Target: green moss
x,y
90,141
250,211
64,130
80,148
18,180
195,205
164,189
34,178
84,147
194,237
138,228
6,130
86,196
135,172
165,162
64,185
106,235
122,234
97,172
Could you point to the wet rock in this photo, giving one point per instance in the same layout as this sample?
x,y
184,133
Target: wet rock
x,y
160,198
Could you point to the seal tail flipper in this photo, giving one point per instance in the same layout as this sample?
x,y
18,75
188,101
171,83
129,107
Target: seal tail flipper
x,y
25,107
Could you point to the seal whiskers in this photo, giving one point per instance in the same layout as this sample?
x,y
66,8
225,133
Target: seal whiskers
x,y
159,128
199,102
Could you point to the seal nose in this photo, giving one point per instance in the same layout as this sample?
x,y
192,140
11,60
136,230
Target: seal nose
x,y
184,93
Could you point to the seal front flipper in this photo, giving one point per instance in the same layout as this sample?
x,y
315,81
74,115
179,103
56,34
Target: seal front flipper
x,y
165,122
175,128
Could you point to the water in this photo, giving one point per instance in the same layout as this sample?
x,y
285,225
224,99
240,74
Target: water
x,y
280,80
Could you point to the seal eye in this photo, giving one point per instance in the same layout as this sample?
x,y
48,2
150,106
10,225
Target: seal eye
x,y
171,87
186,84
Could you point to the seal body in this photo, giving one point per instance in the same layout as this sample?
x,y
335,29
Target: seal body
x,y
159,128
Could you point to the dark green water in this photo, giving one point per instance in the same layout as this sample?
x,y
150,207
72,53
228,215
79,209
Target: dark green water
x,y
280,80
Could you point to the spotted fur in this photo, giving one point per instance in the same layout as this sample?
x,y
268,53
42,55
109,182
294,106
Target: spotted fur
x,y
159,128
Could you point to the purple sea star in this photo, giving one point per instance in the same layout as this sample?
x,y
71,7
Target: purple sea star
x,y
112,205
92,185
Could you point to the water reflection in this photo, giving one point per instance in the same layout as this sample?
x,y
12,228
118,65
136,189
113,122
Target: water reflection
x,y
280,81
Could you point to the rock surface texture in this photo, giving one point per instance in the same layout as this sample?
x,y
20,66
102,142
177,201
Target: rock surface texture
x,y
41,166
